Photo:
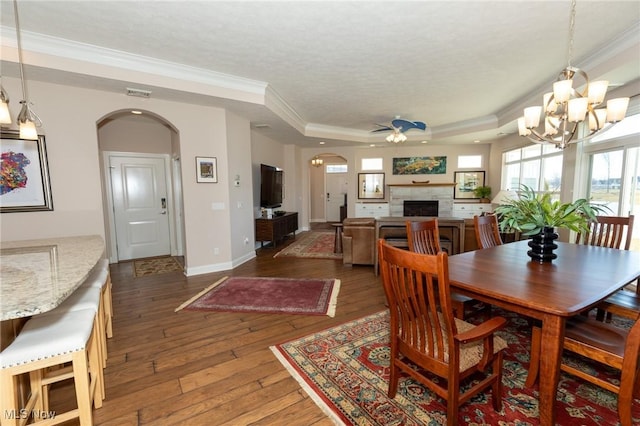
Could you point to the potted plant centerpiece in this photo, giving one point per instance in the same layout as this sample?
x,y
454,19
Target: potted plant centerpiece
x,y
483,192
538,215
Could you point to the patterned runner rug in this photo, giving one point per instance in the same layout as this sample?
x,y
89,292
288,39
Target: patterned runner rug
x,y
345,370
157,265
312,245
268,295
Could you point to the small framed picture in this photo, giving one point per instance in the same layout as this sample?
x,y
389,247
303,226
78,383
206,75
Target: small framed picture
x,y
206,170
466,183
24,174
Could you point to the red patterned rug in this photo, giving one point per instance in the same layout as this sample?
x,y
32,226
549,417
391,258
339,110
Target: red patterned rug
x,y
345,370
312,245
268,295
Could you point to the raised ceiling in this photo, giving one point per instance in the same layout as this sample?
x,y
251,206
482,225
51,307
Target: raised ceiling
x,y
306,71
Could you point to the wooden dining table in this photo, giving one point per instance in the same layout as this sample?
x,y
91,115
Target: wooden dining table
x,y
576,281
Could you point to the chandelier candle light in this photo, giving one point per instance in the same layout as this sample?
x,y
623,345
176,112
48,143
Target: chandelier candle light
x,y
317,161
566,107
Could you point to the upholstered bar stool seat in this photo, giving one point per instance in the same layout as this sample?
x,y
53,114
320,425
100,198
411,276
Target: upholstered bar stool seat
x,y
52,341
100,278
87,297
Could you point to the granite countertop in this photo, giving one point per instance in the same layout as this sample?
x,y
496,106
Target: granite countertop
x,y
37,275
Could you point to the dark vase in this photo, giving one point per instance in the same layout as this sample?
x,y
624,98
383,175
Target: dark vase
x,y
542,245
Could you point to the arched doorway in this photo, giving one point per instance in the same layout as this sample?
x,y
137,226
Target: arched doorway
x,y
141,185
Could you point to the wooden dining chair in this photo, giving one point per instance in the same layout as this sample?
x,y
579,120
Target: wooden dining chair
x,y
424,332
487,231
423,237
613,232
605,344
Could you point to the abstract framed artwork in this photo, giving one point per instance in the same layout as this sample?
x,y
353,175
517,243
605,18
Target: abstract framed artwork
x,y
466,183
370,185
24,174
420,166
206,170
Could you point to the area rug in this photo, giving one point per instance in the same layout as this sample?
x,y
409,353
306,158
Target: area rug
x,y
268,295
156,265
345,370
312,245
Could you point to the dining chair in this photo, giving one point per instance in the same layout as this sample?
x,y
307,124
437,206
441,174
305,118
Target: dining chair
x,y
487,231
613,232
423,237
605,344
425,334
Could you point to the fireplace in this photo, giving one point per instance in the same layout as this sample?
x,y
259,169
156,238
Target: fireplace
x,y
420,208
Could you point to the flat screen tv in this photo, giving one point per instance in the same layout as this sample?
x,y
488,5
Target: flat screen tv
x,y
270,186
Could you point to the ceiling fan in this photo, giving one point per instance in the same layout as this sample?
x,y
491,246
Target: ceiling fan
x,y
398,127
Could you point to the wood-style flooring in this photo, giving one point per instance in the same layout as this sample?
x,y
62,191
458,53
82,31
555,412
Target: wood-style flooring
x,y
198,368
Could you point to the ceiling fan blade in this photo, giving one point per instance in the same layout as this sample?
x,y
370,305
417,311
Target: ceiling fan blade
x,y
405,125
383,128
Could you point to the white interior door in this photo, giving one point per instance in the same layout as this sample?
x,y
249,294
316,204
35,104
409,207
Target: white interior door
x,y
141,212
336,186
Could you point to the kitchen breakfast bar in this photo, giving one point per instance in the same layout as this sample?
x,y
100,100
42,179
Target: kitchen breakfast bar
x,y
38,275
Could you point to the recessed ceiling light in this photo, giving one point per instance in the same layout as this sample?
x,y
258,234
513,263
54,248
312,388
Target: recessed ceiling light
x,y
373,144
135,111
476,141
424,142
322,142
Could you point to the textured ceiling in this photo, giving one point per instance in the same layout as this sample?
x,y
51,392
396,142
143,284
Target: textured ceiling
x,y
336,68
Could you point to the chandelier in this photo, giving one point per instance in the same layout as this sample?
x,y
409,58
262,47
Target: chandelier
x,y
396,136
565,108
317,161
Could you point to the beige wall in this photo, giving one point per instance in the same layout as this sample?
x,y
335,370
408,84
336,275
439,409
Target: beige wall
x,y
70,117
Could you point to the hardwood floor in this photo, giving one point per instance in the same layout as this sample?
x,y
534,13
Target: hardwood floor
x,y
198,368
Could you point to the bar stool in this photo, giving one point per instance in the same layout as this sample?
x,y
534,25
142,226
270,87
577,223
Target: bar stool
x,y
52,341
101,278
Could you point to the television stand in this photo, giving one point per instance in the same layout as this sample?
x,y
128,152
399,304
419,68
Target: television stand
x,y
276,228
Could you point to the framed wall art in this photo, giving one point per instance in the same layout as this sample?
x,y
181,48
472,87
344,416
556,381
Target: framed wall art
x,y
370,185
466,183
206,170
420,166
24,174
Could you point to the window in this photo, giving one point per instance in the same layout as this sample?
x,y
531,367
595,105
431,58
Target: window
x,y
537,166
336,168
469,161
371,164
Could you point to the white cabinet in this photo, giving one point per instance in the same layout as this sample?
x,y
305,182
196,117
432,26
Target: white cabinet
x,y
468,210
372,209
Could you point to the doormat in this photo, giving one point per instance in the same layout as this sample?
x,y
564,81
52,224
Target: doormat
x,y
268,295
345,370
312,245
156,265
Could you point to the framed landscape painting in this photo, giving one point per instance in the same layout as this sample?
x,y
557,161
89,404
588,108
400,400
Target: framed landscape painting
x,y
420,166
24,174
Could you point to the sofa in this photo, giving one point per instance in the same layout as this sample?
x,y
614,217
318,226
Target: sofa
x,y
358,241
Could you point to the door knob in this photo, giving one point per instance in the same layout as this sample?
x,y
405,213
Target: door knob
x,y
163,212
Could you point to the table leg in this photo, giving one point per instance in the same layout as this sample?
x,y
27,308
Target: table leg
x,y
550,359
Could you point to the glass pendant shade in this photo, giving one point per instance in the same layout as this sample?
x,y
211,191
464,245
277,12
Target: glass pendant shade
x,y
27,121
5,115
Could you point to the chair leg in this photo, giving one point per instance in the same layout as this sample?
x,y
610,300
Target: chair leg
x,y
534,358
453,399
497,384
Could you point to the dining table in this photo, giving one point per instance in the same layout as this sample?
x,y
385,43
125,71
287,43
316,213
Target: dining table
x,y
574,282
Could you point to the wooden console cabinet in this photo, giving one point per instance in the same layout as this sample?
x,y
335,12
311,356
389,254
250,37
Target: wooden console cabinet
x,y
277,228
